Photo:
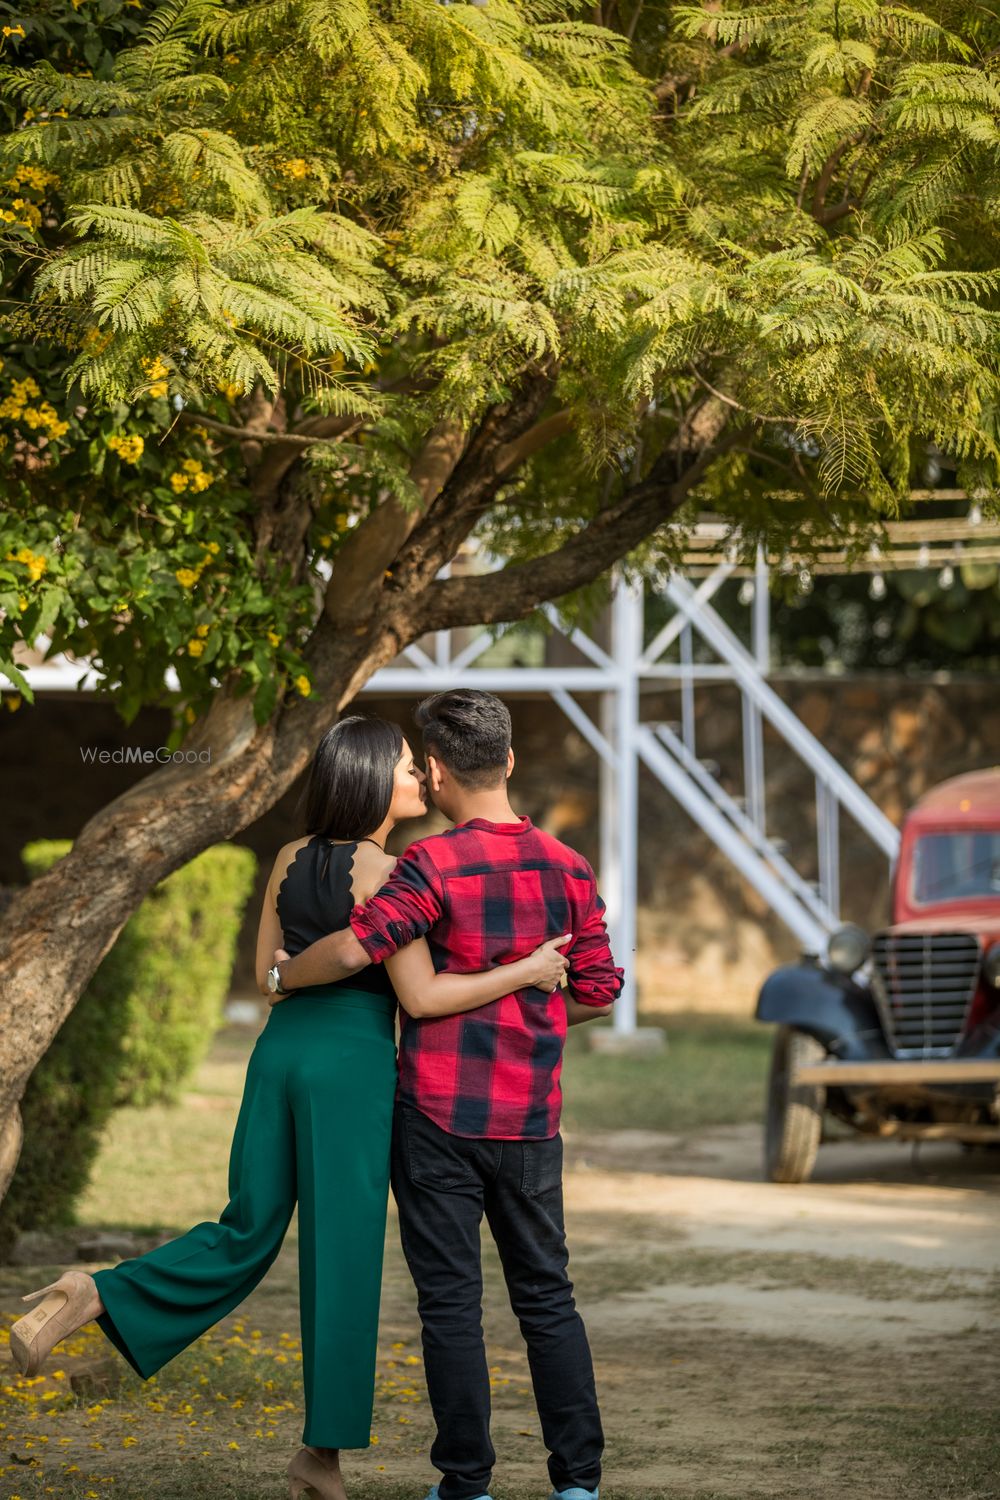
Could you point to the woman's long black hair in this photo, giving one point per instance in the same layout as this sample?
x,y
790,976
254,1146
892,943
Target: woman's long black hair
x,y
351,777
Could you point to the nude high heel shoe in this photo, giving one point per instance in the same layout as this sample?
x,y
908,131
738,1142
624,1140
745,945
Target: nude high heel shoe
x,y
310,1479
64,1310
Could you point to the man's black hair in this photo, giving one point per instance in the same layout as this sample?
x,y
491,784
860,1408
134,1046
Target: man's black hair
x,y
469,732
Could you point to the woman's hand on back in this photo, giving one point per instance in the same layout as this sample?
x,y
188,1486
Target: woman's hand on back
x,y
550,965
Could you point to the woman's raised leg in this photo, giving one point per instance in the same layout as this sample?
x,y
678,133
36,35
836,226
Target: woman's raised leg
x,y
156,1304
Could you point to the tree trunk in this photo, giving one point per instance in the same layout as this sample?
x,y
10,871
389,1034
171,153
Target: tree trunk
x,y
57,930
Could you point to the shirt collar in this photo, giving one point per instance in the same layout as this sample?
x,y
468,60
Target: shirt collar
x,y
522,825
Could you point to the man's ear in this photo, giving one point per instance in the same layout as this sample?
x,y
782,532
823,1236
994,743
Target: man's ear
x,y
510,763
434,773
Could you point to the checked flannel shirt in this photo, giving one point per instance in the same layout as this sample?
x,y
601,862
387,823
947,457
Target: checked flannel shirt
x,y
485,894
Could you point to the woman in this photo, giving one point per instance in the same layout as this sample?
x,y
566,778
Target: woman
x,y
314,1123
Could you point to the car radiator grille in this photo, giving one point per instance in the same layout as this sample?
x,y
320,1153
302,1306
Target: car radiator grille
x,y
925,982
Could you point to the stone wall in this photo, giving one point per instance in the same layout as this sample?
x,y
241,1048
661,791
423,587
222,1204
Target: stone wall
x,y
706,939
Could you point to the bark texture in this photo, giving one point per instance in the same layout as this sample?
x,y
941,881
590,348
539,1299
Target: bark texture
x,y
383,595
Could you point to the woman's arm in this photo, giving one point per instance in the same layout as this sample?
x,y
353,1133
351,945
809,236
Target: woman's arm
x,y
269,934
268,938
423,993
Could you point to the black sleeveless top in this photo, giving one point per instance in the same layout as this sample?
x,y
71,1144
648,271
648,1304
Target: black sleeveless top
x,y
315,899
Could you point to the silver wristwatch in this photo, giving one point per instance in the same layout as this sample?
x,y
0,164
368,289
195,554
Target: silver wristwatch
x,y
274,981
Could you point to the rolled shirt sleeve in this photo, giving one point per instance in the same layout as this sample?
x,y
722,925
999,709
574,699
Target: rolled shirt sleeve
x,y
405,908
594,978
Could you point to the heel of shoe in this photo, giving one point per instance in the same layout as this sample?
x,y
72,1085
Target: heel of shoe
x,y
33,1296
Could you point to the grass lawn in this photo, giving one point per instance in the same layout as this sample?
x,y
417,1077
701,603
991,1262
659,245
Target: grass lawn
x,y
713,1072
223,1418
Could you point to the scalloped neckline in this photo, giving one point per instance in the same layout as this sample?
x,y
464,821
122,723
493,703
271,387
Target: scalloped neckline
x,y
351,844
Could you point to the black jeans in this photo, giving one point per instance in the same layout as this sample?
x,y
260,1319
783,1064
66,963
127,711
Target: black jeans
x,y
443,1184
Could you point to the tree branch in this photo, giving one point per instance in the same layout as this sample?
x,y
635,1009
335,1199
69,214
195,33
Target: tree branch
x,y
516,452
730,400
515,591
473,483
297,439
364,558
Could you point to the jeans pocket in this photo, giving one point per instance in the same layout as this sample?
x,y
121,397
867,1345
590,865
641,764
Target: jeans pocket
x,y
542,1166
434,1159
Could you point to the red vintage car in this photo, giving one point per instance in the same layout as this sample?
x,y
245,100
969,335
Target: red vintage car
x,y
898,1033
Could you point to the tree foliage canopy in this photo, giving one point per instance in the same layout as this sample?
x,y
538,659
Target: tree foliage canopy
x,y
265,261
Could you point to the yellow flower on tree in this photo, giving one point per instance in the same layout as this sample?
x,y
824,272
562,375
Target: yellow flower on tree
x,y
186,577
303,685
195,647
202,630
178,482
274,638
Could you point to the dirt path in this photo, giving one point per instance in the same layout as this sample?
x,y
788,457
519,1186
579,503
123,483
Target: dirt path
x,y
837,1341
832,1340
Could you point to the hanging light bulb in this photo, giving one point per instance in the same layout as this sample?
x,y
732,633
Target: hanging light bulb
x,y
975,516
923,556
946,577
876,589
747,591
805,582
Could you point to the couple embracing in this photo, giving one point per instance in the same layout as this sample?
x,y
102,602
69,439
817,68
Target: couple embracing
x,y
467,937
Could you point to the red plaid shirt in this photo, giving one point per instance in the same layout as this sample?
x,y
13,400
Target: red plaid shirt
x,y
485,894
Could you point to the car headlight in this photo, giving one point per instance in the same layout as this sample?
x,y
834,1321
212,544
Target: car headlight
x,y
991,966
848,948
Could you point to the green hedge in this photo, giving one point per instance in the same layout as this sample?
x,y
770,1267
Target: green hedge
x,y
142,1024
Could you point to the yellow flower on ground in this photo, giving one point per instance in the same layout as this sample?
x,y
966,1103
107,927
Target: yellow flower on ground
x,y
212,547
187,577
303,685
274,638
202,630
195,648
178,483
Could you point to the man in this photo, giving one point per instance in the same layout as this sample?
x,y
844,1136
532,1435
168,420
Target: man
x,y
477,1118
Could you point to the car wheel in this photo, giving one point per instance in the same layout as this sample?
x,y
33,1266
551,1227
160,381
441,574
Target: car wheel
x,y
794,1115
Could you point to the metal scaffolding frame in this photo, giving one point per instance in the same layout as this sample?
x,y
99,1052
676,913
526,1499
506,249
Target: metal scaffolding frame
x,y
624,742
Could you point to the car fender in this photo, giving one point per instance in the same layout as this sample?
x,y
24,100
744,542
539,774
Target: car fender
x,y
831,1007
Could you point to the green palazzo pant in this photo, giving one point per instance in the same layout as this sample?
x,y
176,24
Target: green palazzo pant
x,y
315,1125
